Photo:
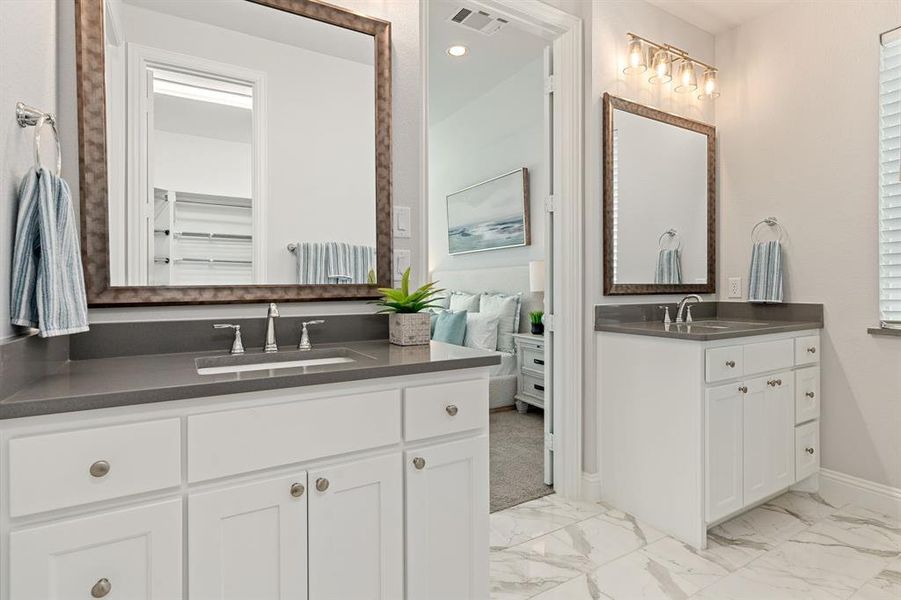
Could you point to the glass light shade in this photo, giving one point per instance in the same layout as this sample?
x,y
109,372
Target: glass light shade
x,y
662,68
637,62
686,80
710,88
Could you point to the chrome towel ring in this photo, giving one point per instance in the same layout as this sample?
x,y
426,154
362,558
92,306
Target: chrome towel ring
x,y
673,239
771,222
30,116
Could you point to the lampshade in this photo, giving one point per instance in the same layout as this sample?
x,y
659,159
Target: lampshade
x,y
637,63
536,276
686,80
709,88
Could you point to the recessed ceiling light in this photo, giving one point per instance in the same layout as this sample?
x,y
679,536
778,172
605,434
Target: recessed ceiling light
x,y
457,50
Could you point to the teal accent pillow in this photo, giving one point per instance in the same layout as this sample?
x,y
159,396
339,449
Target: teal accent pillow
x,y
451,327
434,319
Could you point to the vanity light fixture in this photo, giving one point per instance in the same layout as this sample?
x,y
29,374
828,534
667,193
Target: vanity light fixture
x,y
664,57
457,51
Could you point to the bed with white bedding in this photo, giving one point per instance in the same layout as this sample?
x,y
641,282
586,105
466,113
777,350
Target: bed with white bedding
x,y
507,280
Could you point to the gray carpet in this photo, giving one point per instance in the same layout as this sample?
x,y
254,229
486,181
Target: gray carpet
x,y
517,458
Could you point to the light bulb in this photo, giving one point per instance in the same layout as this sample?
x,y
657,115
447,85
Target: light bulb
x,y
457,51
663,67
637,63
687,80
710,88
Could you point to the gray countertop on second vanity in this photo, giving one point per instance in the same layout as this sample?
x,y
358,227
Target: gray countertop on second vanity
x,y
735,320
122,381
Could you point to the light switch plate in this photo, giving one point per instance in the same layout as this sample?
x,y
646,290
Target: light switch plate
x,y
402,222
402,261
735,287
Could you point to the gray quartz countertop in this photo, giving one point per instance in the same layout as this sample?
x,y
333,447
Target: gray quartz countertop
x,y
702,332
121,381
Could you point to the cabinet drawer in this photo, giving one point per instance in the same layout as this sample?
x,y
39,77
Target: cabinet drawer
x,y
807,449
433,410
807,394
133,554
769,356
533,386
532,359
238,441
807,350
724,363
58,470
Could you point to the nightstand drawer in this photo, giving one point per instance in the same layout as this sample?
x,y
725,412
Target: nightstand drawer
x,y
533,386
532,359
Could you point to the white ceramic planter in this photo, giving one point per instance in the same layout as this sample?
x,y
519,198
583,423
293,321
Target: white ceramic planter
x,y
409,329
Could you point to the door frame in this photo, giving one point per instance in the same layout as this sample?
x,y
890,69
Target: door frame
x,y
564,30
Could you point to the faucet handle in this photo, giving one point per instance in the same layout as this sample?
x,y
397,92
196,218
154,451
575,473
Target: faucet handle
x,y
273,310
305,335
237,344
316,322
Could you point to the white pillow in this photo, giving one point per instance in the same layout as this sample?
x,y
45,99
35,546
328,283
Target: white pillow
x,y
481,331
463,301
506,307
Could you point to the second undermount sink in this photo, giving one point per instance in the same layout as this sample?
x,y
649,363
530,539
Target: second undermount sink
x,y
718,324
237,363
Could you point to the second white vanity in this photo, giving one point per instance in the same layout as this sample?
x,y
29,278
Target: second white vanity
x,y
699,422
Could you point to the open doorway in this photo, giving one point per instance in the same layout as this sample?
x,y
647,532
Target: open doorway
x,y
490,175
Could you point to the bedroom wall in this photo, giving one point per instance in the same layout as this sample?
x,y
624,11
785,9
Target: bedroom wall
x,y
496,133
783,152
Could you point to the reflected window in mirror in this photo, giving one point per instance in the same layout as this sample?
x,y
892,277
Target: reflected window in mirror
x,y
659,201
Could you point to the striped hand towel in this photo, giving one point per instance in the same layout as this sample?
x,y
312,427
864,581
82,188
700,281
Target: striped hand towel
x,y
47,280
349,263
669,267
311,263
765,279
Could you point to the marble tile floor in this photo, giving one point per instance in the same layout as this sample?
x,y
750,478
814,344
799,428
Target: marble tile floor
x,y
794,547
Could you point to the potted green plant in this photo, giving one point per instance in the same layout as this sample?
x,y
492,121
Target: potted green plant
x,y
536,318
407,324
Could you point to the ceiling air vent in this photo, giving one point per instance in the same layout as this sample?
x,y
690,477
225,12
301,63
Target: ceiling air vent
x,y
478,20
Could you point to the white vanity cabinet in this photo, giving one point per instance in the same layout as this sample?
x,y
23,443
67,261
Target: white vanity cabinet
x,y
694,432
319,493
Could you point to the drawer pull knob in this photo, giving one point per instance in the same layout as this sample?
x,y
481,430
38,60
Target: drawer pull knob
x,y
538,361
809,451
322,484
730,364
452,410
810,395
297,490
419,463
743,389
812,349
101,588
99,469
774,382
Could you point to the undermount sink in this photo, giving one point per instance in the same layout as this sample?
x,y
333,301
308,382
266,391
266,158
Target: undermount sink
x,y
718,324
238,363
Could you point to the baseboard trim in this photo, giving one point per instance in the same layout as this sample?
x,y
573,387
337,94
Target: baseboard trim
x,y
591,486
840,488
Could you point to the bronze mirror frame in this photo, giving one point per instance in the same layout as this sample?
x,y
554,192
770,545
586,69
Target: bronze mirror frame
x,y
93,180
612,288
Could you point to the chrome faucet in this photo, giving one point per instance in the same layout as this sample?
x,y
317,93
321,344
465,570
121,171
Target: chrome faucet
x,y
237,344
682,304
271,344
305,335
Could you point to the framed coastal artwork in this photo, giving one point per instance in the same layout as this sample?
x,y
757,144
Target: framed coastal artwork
x,y
490,215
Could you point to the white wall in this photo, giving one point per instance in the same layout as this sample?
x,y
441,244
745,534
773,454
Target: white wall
x,y
798,140
27,74
496,133
190,163
406,130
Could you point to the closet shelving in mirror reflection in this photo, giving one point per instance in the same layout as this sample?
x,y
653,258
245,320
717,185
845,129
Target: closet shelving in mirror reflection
x,y
669,64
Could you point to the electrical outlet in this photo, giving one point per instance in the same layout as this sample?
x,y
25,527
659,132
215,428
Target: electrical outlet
x,y
735,287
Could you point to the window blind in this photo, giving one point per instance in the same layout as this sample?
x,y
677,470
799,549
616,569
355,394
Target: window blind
x,y
890,183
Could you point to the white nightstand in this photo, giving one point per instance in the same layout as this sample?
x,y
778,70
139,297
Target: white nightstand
x,y
529,371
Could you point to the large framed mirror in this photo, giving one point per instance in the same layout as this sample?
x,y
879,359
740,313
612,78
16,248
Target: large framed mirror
x,y
233,151
659,201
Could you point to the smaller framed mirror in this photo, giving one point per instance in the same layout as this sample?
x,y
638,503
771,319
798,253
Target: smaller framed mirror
x,y
659,201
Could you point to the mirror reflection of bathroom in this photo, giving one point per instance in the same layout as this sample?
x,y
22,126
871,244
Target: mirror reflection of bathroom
x,y
240,139
488,177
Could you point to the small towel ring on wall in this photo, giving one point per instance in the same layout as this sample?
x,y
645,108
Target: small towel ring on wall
x,y
771,222
673,237
30,116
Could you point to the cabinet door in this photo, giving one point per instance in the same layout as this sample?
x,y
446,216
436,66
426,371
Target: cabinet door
x,y
807,394
249,541
356,530
133,553
447,521
781,407
755,443
768,436
807,450
724,449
